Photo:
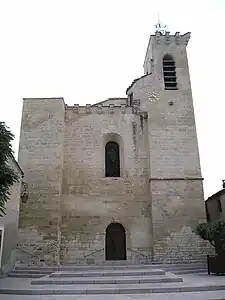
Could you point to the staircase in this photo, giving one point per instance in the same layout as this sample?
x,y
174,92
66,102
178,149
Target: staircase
x,y
107,279
22,271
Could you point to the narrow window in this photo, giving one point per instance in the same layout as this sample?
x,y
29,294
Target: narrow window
x,y
169,73
112,160
219,205
131,99
207,212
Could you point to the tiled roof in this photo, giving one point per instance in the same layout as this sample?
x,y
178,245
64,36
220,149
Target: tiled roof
x,y
219,193
135,80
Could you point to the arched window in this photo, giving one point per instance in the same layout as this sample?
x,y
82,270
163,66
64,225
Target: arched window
x,y
169,73
112,160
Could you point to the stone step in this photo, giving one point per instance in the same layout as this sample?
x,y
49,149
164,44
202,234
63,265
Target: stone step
x,y
31,271
82,267
102,273
157,266
191,271
109,280
171,269
103,263
111,267
179,266
41,273
111,289
25,275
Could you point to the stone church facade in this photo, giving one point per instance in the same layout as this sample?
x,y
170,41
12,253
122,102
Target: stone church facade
x,y
120,179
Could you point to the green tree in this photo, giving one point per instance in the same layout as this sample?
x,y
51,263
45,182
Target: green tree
x,y
7,175
214,232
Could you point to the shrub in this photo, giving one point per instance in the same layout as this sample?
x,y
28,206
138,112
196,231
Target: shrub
x,y
214,232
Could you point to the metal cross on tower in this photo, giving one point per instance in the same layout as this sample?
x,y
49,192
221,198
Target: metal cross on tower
x,y
160,27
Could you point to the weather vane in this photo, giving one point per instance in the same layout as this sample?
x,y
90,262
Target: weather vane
x,y
160,27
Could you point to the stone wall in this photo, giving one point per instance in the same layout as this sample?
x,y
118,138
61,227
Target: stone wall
x,y
71,203
177,209
41,157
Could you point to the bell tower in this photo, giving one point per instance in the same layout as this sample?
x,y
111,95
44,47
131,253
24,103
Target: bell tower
x,y
166,58
175,180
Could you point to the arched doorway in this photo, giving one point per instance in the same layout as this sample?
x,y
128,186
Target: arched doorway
x,y
115,242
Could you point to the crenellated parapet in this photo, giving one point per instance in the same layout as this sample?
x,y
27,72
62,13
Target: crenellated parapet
x,y
167,38
161,43
99,109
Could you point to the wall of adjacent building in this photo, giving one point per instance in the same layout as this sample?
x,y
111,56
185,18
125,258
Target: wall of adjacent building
x,y
9,222
222,201
215,206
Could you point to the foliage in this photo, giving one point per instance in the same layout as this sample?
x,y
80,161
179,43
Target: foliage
x,y
7,174
214,232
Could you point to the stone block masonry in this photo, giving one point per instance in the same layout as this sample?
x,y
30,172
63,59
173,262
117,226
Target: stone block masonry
x,y
71,201
41,157
158,197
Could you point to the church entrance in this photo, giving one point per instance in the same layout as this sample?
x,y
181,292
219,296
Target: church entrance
x,y
115,242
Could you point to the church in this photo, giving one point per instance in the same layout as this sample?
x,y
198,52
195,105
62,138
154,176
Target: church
x,y
119,180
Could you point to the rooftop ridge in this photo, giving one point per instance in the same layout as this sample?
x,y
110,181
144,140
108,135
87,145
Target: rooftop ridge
x,y
111,98
135,80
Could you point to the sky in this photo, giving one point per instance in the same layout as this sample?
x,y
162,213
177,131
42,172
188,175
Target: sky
x,y
89,50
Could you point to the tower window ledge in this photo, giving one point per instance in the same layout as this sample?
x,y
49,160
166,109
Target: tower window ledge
x,y
112,178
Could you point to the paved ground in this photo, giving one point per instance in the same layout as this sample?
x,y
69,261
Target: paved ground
x,y
172,296
189,280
